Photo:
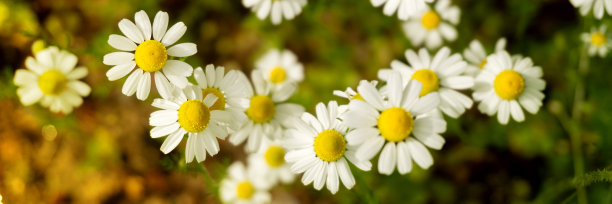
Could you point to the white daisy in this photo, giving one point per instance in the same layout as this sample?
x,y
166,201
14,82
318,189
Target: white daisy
x,y
240,186
476,55
318,148
402,124
280,68
598,41
351,94
52,80
404,8
441,74
277,9
597,6
269,163
152,57
431,26
189,113
230,90
503,84
266,112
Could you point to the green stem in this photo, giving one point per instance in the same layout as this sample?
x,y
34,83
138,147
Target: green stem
x,y
575,128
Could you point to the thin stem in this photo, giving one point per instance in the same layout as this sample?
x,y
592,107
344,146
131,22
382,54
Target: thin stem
x,y
575,128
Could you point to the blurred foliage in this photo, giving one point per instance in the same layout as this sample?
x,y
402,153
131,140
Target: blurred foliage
x,y
103,153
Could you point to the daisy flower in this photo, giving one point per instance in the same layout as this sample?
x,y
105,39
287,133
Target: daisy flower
x,y
598,41
191,113
240,186
230,90
401,126
476,55
404,8
432,25
269,162
350,93
277,9
280,68
597,6
441,74
151,57
52,80
266,112
318,148
504,85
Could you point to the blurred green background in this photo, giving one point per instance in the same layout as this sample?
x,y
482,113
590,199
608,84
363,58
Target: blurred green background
x,y
102,152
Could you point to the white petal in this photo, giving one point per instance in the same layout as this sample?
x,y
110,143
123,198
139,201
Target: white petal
x,y
178,68
183,50
174,33
131,31
160,131
120,71
144,86
332,178
129,87
419,153
117,58
387,159
143,22
121,43
164,88
172,141
160,24
404,163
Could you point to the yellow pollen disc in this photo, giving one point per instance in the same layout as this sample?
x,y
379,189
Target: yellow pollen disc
x,y
429,79
430,20
151,56
329,145
598,39
483,63
193,116
278,75
395,124
509,84
275,156
245,190
220,103
357,97
52,82
261,109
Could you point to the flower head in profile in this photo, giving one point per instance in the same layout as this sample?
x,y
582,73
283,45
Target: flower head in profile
x,y
241,186
598,41
147,51
506,87
266,112
404,8
401,126
443,74
52,79
190,112
476,55
276,9
433,26
318,147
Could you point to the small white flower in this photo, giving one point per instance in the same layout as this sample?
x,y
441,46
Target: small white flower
x,y
597,6
598,41
404,8
266,112
441,74
476,55
230,90
277,9
280,68
431,26
269,163
240,186
351,94
318,148
188,112
150,56
403,124
52,80
505,83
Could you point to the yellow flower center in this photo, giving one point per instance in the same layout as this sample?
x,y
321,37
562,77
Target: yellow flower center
x,y
598,39
278,75
193,116
430,20
245,190
261,109
395,124
509,84
275,156
220,103
357,97
429,79
52,82
329,145
151,56
483,63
